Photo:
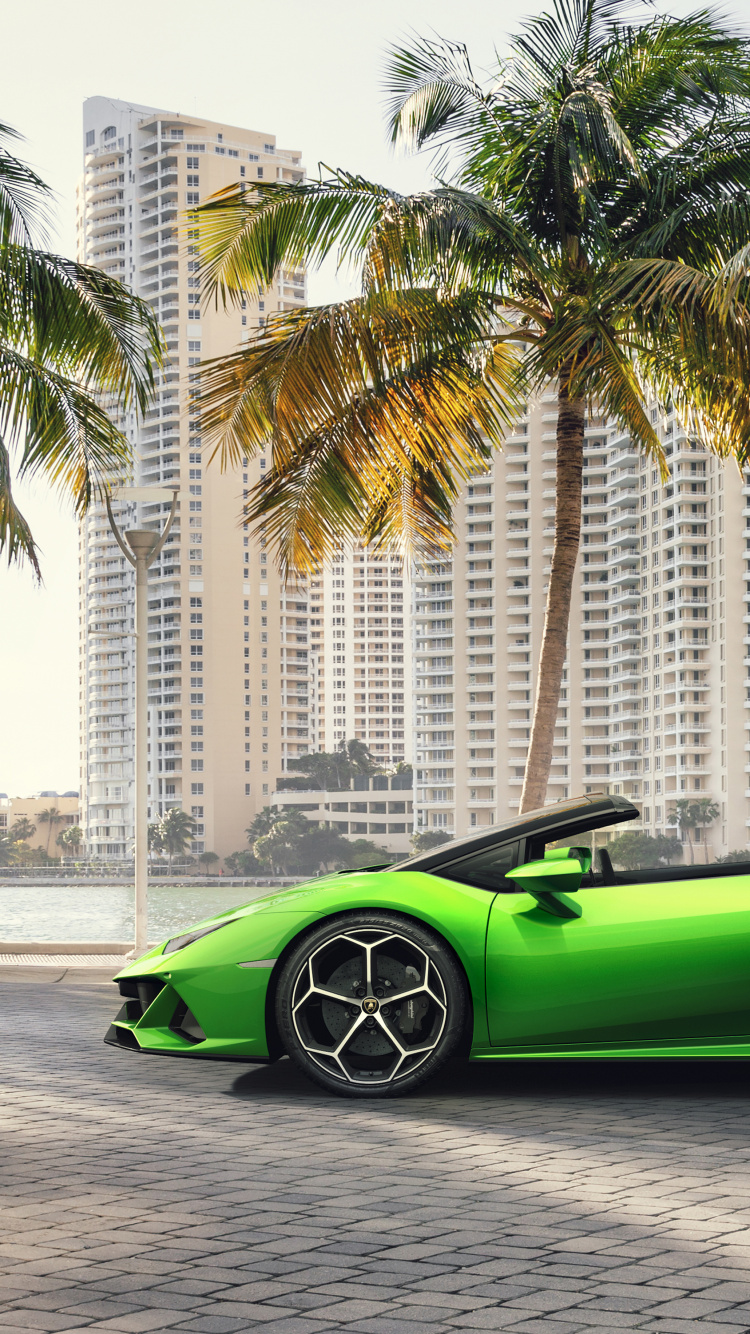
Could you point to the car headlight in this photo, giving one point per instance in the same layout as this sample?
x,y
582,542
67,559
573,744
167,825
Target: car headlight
x,y
179,942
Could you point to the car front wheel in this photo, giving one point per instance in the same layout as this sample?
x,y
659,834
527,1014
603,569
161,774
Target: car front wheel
x,y
371,1004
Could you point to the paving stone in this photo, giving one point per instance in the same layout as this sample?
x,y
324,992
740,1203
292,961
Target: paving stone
x,y
144,1195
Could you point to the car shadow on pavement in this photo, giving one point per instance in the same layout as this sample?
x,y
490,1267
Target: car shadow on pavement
x,y
548,1079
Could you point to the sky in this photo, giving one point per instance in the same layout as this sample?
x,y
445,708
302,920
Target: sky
x,y
309,73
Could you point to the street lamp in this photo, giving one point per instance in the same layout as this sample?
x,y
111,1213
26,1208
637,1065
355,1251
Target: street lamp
x,y
141,546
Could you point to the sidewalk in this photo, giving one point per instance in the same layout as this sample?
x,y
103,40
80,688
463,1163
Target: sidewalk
x,y
51,961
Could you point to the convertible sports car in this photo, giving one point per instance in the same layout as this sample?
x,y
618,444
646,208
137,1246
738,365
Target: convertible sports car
x,y
504,944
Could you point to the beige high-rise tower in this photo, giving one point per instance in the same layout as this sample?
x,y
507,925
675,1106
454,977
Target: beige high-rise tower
x,y
655,703
229,654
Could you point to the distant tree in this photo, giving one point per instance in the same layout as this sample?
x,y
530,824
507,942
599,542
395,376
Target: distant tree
x,y
176,829
9,854
263,823
70,839
363,852
207,859
293,783
734,858
668,849
706,811
403,768
333,771
279,849
634,850
22,830
242,863
359,757
684,815
50,816
424,839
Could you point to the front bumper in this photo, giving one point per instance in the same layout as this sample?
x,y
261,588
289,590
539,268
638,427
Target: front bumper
x,y
200,1018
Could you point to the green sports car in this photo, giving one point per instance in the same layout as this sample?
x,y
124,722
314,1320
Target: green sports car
x,y
509,943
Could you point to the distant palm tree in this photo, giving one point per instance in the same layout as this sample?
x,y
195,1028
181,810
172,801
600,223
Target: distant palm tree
x,y
70,839
50,816
70,338
176,828
706,811
589,235
684,816
22,829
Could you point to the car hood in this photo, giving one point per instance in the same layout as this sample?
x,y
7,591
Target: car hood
x,y
289,899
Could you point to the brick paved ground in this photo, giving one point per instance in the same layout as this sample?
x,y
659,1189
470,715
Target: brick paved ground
x,y
144,1194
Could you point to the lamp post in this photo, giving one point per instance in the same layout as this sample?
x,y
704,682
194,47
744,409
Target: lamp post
x,y
141,546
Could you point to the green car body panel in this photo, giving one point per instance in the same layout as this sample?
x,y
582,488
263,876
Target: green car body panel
x,y
654,968
229,998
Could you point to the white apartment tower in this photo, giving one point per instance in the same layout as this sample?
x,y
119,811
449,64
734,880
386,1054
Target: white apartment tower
x,y
364,673
230,659
658,649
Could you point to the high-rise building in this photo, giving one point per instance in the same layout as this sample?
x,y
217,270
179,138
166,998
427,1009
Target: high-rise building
x,y
658,647
364,672
229,653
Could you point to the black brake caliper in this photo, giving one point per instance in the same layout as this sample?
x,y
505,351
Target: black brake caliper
x,y
413,1012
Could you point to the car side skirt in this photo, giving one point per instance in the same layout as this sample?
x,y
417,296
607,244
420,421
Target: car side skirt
x,y
685,1050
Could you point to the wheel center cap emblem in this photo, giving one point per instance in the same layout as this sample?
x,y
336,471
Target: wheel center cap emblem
x,y
370,1005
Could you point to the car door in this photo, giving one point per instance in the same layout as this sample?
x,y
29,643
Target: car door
x,y
660,960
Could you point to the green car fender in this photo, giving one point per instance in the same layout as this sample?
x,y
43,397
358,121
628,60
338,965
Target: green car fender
x,y
224,976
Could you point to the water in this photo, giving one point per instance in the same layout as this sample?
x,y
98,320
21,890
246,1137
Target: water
x,y
105,912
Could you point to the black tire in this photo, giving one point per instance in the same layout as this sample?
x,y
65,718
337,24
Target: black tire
x,y
371,1004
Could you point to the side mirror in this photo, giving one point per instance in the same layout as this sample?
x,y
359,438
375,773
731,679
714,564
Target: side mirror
x,y
560,873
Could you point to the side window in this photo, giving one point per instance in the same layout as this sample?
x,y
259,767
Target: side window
x,y
485,870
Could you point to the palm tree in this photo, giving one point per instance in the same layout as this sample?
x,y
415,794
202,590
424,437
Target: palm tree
x,y
70,339
155,840
70,839
263,823
176,828
22,829
590,233
706,811
50,816
684,815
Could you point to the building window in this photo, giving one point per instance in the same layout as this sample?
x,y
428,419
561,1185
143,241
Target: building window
x,y
195,788
90,137
260,173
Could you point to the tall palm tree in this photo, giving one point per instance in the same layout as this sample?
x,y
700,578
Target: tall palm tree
x,y
176,828
71,340
591,231
50,816
706,810
685,816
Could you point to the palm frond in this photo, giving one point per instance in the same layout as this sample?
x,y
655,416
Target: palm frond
x,y
24,197
245,236
79,320
434,95
67,436
16,540
356,398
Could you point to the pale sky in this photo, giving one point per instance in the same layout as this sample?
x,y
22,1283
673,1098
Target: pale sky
x,y
307,72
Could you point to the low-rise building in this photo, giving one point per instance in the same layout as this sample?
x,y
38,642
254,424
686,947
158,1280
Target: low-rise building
x,y
378,807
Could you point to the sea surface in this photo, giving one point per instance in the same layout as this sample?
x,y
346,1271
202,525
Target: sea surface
x,y
105,912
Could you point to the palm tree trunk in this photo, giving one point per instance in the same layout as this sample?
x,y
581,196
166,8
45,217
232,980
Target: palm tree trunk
x,y
570,429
